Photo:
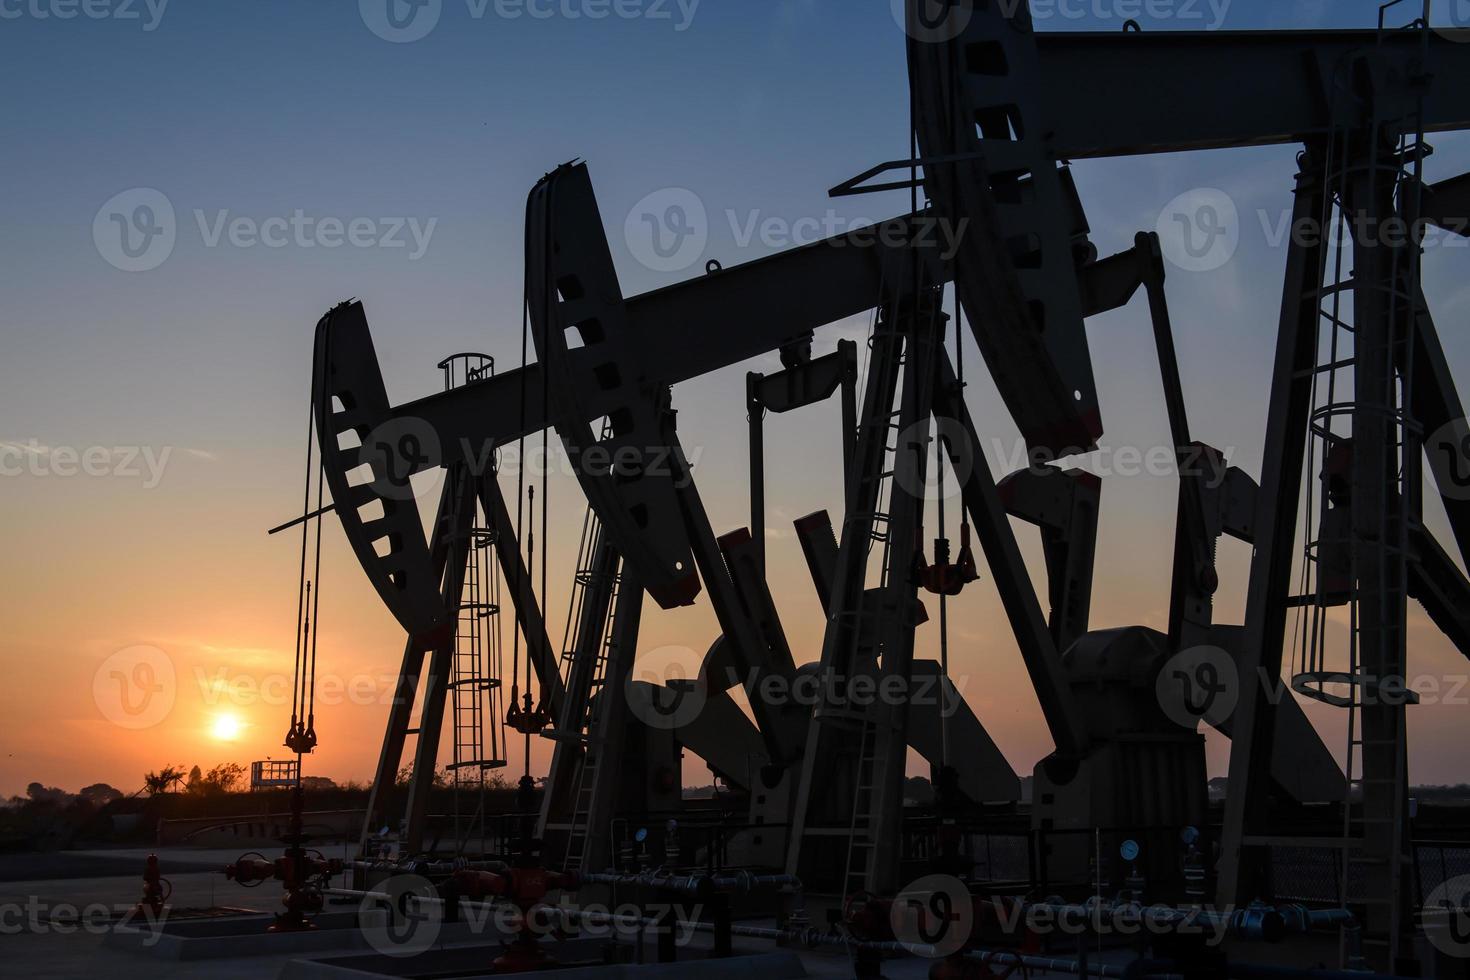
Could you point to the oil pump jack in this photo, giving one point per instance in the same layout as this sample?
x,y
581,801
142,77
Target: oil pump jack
x,y
1000,110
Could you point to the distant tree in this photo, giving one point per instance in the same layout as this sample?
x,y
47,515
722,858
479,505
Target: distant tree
x,y
38,793
195,783
223,778
441,777
317,783
99,794
166,780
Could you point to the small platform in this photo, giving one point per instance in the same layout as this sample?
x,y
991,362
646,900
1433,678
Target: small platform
x,y
245,936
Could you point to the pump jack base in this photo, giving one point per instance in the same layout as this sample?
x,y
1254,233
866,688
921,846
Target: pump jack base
x,y
291,923
524,957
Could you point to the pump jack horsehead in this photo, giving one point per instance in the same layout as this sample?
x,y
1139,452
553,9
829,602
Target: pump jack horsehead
x,y
999,109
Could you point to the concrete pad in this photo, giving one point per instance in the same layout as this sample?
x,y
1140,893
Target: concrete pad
x,y
242,937
474,963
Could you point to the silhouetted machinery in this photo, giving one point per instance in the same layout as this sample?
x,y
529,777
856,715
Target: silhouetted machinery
x,y
1360,385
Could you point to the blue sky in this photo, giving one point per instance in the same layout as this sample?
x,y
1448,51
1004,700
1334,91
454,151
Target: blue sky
x,y
258,110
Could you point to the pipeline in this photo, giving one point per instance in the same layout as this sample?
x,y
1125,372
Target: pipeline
x,y
813,939
428,868
1261,923
1045,964
1262,971
807,937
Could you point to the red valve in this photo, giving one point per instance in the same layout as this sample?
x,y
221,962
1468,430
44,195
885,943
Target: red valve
x,y
249,871
300,871
154,891
525,887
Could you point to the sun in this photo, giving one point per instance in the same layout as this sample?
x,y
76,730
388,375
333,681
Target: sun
x,y
226,728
